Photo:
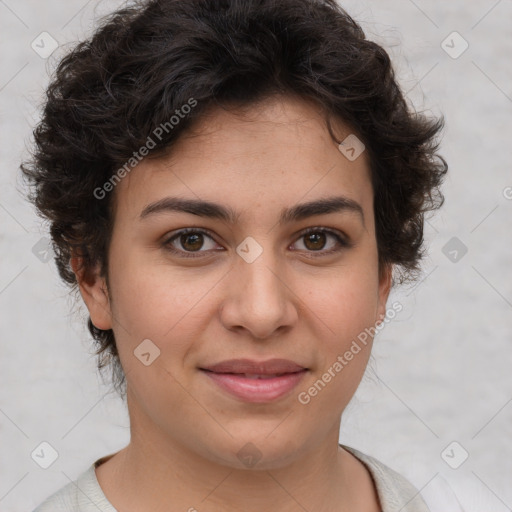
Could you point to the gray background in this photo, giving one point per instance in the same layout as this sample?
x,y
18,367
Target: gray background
x,y
440,371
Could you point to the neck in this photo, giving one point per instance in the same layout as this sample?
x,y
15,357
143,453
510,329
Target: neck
x,y
154,471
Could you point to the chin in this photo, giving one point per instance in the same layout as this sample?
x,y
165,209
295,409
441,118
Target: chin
x,y
261,453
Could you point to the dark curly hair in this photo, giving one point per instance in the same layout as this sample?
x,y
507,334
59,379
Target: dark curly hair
x,y
146,61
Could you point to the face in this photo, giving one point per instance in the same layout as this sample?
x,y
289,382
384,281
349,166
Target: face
x,y
272,281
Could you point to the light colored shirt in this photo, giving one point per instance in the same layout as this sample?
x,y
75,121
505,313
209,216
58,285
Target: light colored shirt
x,y
396,494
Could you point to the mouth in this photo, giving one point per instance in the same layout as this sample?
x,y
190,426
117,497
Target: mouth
x,y
256,382
253,376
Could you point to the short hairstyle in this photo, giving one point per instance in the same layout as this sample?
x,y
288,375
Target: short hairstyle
x,y
146,61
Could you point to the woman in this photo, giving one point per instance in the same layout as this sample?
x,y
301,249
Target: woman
x,y
234,187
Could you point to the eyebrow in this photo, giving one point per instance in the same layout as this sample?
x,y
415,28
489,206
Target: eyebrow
x,y
212,210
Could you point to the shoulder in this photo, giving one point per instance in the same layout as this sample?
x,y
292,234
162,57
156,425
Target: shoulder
x,y
82,495
395,491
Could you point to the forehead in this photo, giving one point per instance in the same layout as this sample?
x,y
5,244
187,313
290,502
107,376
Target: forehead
x,y
276,151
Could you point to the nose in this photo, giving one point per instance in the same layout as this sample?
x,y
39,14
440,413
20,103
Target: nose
x,y
259,298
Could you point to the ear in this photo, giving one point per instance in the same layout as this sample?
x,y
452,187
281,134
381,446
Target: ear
x,y
93,289
385,282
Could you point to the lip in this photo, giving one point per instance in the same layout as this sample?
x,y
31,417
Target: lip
x,y
269,367
256,381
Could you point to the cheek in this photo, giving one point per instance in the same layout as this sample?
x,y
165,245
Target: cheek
x,y
345,315
159,303
346,303
345,309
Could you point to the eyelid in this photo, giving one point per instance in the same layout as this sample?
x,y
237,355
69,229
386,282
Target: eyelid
x,y
342,239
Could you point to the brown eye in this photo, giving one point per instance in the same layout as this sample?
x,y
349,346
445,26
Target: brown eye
x,y
315,241
324,241
191,242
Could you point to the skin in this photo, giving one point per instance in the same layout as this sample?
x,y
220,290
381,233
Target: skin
x,y
185,431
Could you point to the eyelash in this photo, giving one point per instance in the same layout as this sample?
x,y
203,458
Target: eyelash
x,y
343,243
